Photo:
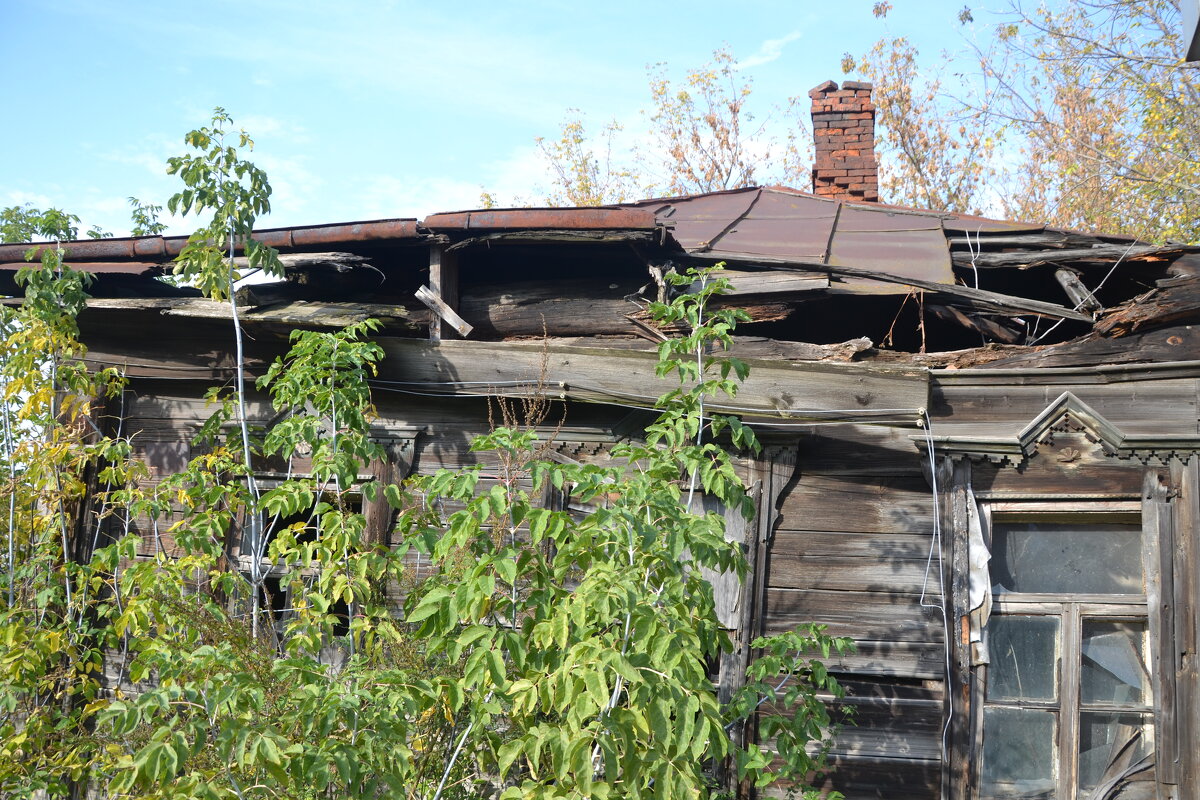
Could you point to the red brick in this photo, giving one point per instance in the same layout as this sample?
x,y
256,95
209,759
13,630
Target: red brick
x,y
823,88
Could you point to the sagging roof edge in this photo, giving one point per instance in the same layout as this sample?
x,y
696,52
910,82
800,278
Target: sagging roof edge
x,y
364,231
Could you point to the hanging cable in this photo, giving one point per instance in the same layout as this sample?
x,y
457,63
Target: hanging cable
x,y
935,545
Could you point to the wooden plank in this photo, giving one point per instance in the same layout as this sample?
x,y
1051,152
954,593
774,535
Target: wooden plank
x,y
582,307
1150,407
1065,465
891,659
794,391
392,467
1173,344
861,450
301,313
1158,555
443,284
770,283
869,616
444,313
1186,604
956,513
820,545
860,778
865,504
892,575
975,298
1176,302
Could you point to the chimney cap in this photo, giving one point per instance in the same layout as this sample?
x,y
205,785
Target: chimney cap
x,y
858,85
824,88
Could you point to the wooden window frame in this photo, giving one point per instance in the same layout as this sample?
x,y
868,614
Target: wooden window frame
x,y
1070,609
1090,461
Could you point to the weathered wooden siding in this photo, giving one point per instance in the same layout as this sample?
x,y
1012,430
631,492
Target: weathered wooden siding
x,y
852,551
1140,400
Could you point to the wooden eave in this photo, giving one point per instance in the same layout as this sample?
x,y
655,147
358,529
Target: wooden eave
x,y
1067,408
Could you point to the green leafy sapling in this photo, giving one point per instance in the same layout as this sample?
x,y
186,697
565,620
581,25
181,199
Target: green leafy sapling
x,y
144,217
219,181
583,640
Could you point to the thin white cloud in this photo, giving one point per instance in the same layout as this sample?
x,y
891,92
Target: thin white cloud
x,y
19,198
769,51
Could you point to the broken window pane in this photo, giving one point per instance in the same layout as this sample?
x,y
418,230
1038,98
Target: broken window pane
x,y
1019,757
1109,744
1113,670
1024,653
1057,558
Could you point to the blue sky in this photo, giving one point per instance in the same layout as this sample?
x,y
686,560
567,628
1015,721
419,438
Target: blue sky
x,y
364,110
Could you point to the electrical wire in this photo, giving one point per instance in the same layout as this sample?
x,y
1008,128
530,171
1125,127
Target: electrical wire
x,y
1099,286
935,545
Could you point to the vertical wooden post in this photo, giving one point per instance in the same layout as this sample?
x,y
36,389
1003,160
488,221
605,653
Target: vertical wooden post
x,y
1158,525
393,467
1186,478
960,759
443,280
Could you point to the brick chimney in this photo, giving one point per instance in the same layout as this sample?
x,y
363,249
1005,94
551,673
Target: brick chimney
x,y
844,133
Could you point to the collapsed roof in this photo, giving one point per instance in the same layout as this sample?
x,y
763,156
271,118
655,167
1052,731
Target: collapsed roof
x,y
823,278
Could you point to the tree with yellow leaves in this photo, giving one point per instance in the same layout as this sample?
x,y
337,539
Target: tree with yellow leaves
x,y
1078,113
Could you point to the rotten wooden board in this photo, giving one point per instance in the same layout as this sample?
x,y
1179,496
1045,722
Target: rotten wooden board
x,y
793,391
444,312
1174,344
771,283
581,307
974,298
302,313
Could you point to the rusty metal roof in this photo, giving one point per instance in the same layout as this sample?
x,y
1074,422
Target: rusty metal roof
x,y
770,225
169,246
507,219
796,227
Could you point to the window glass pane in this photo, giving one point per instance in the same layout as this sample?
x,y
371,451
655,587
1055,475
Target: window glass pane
x,y
1113,670
1056,558
1109,744
1019,758
1024,653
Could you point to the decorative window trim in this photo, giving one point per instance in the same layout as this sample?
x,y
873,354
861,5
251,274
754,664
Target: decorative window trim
x,y
1068,413
1164,468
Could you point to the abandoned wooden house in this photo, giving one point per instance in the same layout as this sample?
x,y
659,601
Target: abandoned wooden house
x,y
980,436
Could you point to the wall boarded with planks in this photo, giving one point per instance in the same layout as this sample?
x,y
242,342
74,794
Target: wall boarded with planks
x,y
852,551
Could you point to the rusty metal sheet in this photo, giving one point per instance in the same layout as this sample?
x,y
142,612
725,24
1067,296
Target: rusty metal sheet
x,y
169,246
544,218
783,225
374,231
698,221
892,242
